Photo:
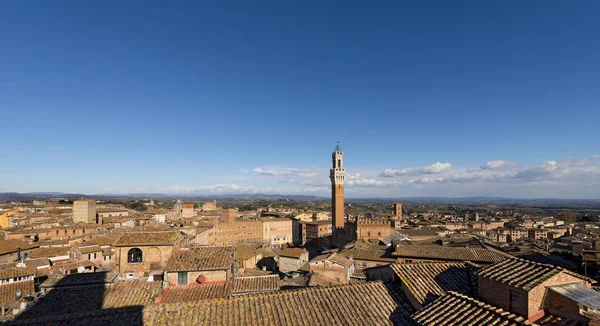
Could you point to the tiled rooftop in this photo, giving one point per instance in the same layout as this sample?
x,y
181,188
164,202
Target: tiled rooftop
x,y
428,281
337,305
256,284
13,245
196,292
523,274
14,272
368,254
8,291
371,303
201,259
449,253
334,257
457,309
65,303
49,252
291,252
60,280
140,238
89,249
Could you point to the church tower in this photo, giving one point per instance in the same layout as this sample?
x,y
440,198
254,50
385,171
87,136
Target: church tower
x,y
337,174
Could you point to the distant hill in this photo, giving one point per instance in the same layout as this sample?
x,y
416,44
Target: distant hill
x,y
14,196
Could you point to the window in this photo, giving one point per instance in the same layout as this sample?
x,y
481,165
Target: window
x,y
182,278
92,256
134,255
515,301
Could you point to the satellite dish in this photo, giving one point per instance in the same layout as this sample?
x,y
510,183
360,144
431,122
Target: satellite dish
x,y
80,269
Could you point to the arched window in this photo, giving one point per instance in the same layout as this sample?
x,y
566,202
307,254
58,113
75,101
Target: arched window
x,y
134,255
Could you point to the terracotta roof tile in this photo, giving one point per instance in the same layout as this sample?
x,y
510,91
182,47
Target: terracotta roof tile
x,y
139,238
8,291
89,249
449,253
457,309
428,281
256,284
368,254
14,272
49,252
292,252
195,292
63,303
524,274
60,280
201,259
336,305
13,245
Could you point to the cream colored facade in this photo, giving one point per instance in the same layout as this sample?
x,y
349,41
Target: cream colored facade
x,y
277,231
84,211
307,217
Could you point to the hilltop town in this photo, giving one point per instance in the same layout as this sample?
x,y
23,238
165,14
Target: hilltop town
x,y
286,262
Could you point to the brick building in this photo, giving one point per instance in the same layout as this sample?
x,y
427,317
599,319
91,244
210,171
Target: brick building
x,y
277,231
520,286
138,253
369,229
239,231
291,259
332,268
84,211
187,210
316,233
201,265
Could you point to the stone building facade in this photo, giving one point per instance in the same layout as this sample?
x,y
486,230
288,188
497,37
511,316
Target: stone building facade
x,y
84,211
138,253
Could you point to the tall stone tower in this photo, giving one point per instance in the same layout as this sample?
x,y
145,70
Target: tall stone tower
x,y
337,174
398,210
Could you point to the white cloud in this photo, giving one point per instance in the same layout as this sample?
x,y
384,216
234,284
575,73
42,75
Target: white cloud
x,y
358,180
499,165
305,173
434,168
244,171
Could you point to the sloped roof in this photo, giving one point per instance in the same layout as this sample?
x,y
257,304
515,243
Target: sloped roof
x,y
254,284
13,245
201,258
449,253
79,279
89,249
148,238
64,304
367,254
457,309
429,281
524,274
8,291
14,272
334,257
49,252
336,305
292,252
581,294
195,292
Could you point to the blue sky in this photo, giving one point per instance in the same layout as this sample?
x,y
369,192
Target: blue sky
x,y
435,98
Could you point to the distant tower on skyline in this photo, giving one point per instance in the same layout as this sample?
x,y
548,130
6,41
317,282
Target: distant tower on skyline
x,y
398,210
337,174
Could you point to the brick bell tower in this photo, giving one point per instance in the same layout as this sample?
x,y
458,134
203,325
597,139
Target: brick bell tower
x,y
337,174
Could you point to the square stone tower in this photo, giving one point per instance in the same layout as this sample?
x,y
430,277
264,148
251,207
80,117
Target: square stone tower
x,y
337,174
